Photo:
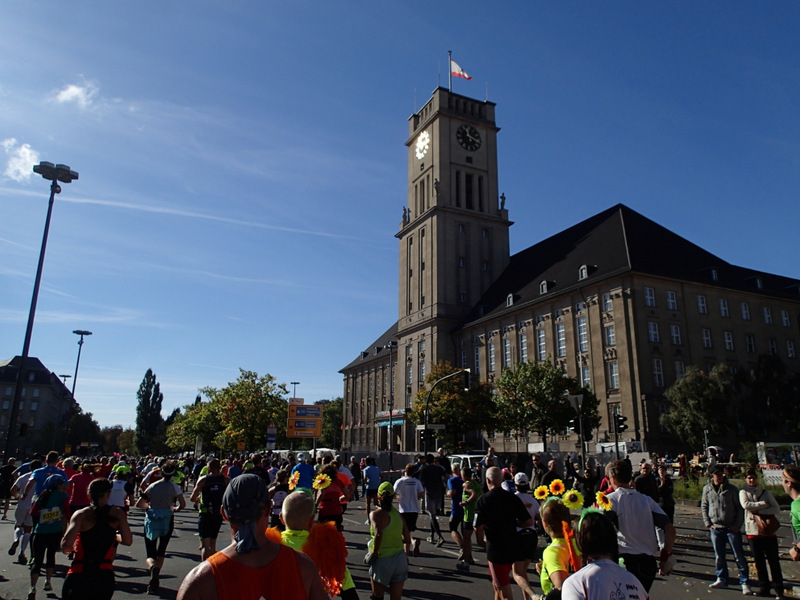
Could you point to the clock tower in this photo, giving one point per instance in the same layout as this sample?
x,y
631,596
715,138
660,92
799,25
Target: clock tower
x,y
454,233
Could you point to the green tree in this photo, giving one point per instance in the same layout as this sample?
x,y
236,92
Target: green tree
x,y
198,419
461,412
769,395
245,408
332,411
149,422
533,396
698,402
125,441
110,436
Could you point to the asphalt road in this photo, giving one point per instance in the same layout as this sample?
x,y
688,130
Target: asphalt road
x,y
432,575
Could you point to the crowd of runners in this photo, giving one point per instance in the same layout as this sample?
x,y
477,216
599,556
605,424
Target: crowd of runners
x,y
524,521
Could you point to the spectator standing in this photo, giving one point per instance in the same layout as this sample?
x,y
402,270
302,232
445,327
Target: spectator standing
x,y
723,516
645,483
755,500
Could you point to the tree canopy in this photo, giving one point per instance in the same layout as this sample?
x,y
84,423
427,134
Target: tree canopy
x,y
150,428
698,401
533,396
461,412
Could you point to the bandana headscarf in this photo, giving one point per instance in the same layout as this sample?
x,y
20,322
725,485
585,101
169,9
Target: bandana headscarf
x,y
244,501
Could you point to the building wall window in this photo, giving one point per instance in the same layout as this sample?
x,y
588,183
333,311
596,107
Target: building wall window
x,y
652,331
583,272
492,364
583,335
410,375
767,315
658,373
672,301
609,335
649,296
702,307
506,352
463,359
706,333
680,369
790,351
9,390
586,377
750,343
523,347
728,336
675,334
613,375
6,404
784,319
34,405
745,311
422,370
773,346
541,344
477,361
608,304
561,337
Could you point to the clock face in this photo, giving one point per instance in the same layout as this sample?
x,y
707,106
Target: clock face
x,y
468,137
423,143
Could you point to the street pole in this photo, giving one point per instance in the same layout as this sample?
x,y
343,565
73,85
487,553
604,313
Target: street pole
x,y
80,332
428,402
54,174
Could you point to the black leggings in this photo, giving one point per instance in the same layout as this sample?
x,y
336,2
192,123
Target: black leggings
x,y
158,547
45,542
83,586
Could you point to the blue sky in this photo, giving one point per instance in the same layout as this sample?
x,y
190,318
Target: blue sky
x,y
243,169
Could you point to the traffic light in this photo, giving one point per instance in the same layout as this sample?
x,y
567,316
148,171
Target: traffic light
x,y
465,374
619,422
575,425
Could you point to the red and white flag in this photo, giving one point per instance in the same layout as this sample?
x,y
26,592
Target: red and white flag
x,y
458,71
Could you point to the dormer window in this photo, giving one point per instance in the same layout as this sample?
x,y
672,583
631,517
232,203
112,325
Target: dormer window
x,y
510,300
714,275
583,272
543,287
759,283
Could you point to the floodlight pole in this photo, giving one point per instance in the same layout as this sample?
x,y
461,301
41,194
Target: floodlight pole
x,y
54,174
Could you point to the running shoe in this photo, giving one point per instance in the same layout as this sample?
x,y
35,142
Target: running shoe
x,y
13,549
440,542
48,587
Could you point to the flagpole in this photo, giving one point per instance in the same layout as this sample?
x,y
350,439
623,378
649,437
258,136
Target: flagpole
x,y
450,69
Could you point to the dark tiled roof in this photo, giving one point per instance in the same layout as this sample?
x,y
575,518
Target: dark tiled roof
x,y
614,241
370,354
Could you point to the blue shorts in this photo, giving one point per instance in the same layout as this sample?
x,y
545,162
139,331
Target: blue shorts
x,y
390,569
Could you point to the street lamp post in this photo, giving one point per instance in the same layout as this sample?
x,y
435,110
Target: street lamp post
x,y
428,401
54,174
392,345
294,388
81,333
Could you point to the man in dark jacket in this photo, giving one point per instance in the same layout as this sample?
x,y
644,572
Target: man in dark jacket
x,y
723,516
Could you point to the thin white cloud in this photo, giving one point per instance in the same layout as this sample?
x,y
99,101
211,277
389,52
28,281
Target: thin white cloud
x,y
21,158
81,95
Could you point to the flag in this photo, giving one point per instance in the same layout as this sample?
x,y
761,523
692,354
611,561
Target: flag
x,y
458,71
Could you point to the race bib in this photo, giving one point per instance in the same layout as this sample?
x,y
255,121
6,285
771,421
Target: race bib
x,y
51,515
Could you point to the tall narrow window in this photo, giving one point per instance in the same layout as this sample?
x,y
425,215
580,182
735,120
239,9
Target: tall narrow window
x,y
773,346
706,333
649,296
586,377
723,308
541,345
675,334
672,301
583,335
477,361
767,315
728,337
561,337
613,375
523,347
680,369
745,311
607,303
652,332
785,318
491,357
658,373
468,190
790,351
480,194
750,343
702,307
506,352
609,335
